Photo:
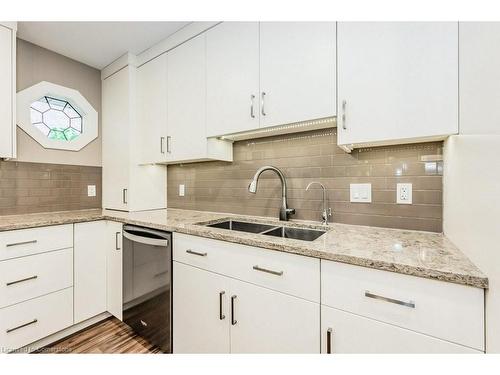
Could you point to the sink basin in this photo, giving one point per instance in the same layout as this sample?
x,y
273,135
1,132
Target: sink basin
x,y
242,226
295,233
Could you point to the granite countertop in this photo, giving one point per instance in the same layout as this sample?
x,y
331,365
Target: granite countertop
x,y
423,254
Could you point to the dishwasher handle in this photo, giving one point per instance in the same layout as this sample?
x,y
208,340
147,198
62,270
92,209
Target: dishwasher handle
x,y
147,239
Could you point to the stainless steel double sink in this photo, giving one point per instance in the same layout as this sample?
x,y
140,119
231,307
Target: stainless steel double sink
x,y
304,234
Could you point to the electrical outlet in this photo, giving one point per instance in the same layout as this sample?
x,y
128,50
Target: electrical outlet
x,y
404,194
182,190
91,191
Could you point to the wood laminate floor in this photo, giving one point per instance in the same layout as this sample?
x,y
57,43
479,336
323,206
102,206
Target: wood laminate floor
x,y
110,336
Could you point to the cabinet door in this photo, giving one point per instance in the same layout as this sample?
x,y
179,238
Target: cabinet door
x,y
232,78
200,311
186,107
297,71
89,270
6,93
115,139
343,332
152,109
114,268
396,81
265,321
479,78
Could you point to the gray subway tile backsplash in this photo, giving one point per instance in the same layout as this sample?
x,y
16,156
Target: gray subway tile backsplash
x,y
304,157
39,187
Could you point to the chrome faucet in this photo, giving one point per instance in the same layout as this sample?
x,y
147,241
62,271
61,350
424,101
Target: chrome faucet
x,y
327,212
285,212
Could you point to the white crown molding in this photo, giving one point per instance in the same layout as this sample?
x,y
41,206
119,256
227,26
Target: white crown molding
x,y
90,117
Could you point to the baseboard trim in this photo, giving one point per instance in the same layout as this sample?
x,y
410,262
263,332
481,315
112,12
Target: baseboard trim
x,y
58,336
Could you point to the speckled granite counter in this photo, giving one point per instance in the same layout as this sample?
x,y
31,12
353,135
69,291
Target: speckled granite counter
x,y
422,254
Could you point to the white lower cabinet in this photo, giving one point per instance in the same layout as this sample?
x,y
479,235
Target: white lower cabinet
x,y
114,268
343,332
266,321
198,296
90,269
219,314
26,322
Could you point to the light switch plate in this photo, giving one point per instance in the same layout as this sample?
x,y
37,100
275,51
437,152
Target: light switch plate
x,y
182,190
404,194
361,193
91,191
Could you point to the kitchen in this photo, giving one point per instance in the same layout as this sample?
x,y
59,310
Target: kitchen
x,y
265,187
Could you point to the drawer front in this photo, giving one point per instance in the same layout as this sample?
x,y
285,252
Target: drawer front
x,y
444,310
343,332
33,276
288,273
32,320
18,243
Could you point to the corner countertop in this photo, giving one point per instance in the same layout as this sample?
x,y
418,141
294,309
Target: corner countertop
x,y
422,254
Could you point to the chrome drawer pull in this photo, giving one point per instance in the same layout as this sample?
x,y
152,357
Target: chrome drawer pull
x,y
277,273
22,280
196,253
329,332
221,313
21,326
233,321
21,243
391,300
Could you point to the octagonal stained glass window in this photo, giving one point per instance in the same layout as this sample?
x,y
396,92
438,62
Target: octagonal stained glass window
x,y
56,118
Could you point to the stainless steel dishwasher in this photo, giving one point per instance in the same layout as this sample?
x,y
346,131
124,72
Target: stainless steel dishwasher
x,y
147,284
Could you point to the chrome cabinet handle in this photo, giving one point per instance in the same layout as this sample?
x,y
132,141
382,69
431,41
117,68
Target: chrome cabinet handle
x,y
8,330
22,280
329,332
21,243
262,107
125,191
410,304
117,241
233,321
196,253
162,145
221,313
252,114
277,273
344,105
169,149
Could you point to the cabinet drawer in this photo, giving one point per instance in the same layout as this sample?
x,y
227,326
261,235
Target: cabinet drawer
x,y
350,333
32,320
444,310
18,243
29,277
288,273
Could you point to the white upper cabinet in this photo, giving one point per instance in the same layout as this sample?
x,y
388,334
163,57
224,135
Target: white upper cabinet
x,y
397,82
7,90
232,78
186,106
297,71
479,78
127,186
152,109
116,129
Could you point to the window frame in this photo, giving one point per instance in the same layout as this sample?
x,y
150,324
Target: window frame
x,y
27,97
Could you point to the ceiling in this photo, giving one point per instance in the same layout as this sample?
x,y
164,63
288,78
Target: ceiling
x,y
96,43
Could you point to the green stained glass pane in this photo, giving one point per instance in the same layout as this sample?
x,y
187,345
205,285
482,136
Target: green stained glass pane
x,y
71,134
57,135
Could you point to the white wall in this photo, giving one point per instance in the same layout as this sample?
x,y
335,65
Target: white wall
x,y
472,213
36,64
471,191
